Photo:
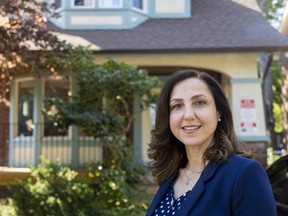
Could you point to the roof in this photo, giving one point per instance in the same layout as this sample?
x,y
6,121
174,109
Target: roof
x,y
215,26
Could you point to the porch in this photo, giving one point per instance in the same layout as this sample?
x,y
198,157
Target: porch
x,y
70,148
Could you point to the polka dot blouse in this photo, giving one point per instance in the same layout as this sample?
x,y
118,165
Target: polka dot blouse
x,y
169,205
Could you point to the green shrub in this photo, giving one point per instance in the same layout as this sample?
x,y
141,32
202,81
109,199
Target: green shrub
x,y
114,195
6,209
53,191
116,179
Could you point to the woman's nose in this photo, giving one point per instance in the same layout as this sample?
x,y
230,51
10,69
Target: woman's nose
x,y
189,114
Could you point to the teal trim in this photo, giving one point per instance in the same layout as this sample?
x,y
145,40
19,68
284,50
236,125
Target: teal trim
x,y
246,80
254,138
38,98
62,142
188,8
186,14
21,143
124,13
11,120
21,76
127,12
74,131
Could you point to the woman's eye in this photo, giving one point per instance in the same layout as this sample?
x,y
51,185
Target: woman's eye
x,y
176,106
200,102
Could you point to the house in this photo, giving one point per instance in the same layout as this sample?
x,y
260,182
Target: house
x,y
223,37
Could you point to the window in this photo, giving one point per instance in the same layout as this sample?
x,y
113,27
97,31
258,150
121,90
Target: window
x,y
25,108
83,3
55,87
58,4
110,3
138,4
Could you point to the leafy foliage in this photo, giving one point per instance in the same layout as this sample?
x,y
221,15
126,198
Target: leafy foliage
x,y
6,208
102,106
72,60
116,180
53,190
25,42
273,10
277,100
114,194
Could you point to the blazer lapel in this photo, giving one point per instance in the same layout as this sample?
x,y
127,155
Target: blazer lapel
x,y
198,189
160,194
192,198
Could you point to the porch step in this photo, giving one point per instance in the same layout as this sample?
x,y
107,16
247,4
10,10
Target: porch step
x,y
9,175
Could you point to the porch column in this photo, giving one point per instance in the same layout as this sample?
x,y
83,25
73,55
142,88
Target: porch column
x,y
12,123
38,101
74,132
75,147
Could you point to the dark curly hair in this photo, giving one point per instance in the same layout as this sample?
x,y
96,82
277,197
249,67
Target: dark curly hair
x,y
167,152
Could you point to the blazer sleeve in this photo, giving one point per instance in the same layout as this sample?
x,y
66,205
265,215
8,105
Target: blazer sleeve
x,y
252,193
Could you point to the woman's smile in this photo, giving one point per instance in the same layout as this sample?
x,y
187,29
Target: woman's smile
x,y
190,128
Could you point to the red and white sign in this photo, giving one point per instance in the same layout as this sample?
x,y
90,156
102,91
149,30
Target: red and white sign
x,y
248,123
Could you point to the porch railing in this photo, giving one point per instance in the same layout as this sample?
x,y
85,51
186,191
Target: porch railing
x,y
73,150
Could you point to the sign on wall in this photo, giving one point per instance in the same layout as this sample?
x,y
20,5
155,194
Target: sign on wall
x,y
248,125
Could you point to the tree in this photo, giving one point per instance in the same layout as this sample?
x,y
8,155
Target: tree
x,y
102,104
102,108
277,100
272,10
25,42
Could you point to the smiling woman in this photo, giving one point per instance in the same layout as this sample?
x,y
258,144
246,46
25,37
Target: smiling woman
x,y
193,118
196,157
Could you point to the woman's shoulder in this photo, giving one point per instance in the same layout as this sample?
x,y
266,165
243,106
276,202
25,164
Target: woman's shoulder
x,y
242,159
239,157
238,162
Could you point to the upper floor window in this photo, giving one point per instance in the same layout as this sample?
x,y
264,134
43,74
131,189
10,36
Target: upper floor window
x,y
83,3
110,3
138,4
58,4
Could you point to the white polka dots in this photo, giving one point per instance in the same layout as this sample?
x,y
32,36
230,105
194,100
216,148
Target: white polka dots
x,y
169,205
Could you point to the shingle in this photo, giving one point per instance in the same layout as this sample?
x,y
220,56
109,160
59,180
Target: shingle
x,y
215,25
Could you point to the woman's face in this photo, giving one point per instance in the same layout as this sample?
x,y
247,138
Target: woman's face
x,y
193,114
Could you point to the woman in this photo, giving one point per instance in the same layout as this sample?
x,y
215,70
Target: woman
x,y
196,157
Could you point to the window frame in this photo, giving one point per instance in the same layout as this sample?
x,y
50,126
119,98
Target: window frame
x,y
40,123
59,8
83,6
44,96
101,6
16,105
144,5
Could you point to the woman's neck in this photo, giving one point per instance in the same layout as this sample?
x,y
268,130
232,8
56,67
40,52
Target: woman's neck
x,y
195,160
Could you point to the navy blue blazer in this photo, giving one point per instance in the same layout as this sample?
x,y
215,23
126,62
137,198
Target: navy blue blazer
x,y
238,187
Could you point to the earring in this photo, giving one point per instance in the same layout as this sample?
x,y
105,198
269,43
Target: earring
x,y
219,119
